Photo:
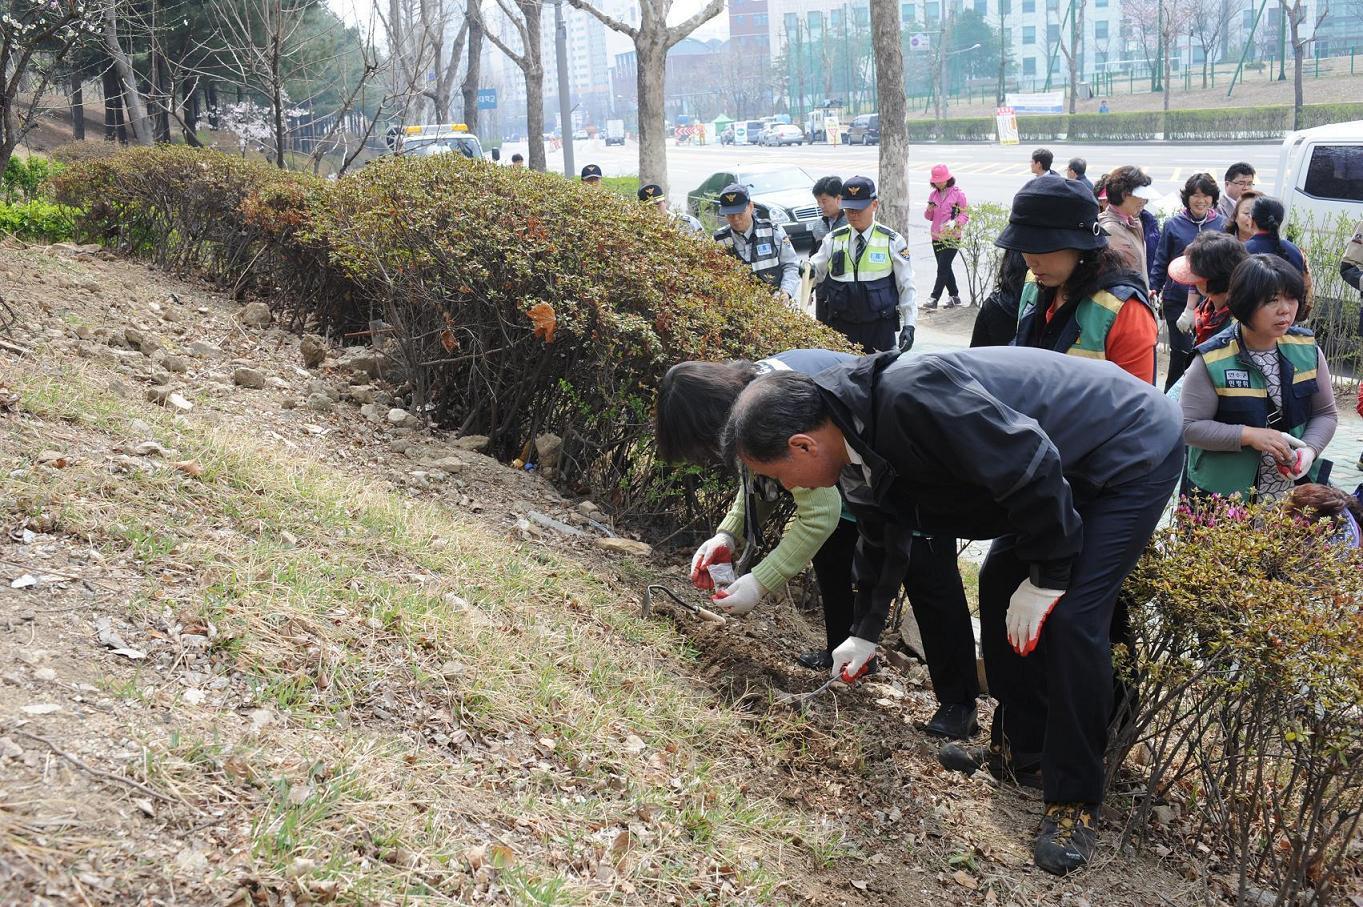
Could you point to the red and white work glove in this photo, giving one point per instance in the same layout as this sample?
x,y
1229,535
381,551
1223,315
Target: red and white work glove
x,y
744,594
850,657
1303,458
1027,612
717,550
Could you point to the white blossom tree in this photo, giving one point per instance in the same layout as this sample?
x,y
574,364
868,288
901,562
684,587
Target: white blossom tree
x,y
35,36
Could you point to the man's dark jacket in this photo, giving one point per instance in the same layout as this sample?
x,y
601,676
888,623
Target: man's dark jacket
x,y
985,443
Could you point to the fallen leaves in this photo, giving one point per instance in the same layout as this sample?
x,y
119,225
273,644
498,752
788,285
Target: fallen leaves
x,y
545,321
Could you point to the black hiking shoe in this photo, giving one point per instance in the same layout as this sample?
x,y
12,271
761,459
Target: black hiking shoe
x,y
931,304
955,722
1068,837
1024,771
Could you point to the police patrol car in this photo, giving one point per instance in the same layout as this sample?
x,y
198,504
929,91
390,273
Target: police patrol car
x,y
442,138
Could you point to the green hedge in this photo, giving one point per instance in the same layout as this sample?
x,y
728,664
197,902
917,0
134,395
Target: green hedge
x,y
519,302
39,220
1211,124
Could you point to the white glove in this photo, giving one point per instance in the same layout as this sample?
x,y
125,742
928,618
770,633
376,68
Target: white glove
x,y
1027,612
852,655
718,549
1305,457
1185,321
741,597
1292,440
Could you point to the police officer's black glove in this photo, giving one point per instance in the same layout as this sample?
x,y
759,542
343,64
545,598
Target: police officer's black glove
x,y
906,338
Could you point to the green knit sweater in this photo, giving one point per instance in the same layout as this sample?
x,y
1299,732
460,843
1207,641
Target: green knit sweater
x,y
817,511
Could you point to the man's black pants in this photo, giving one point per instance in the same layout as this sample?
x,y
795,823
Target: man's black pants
x,y
1180,343
1057,701
872,336
935,594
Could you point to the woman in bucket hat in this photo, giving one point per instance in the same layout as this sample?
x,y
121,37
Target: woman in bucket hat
x,y
1079,297
946,210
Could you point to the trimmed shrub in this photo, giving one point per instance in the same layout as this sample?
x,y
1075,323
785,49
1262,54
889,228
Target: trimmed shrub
x,y
25,180
1137,126
1244,679
39,220
558,310
513,302
78,152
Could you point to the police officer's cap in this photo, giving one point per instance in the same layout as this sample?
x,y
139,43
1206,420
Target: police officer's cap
x,y
734,199
591,172
858,192
650,193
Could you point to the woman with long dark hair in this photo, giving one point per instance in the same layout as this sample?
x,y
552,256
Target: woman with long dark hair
x,y
997,323
1078,297
1267,215
1258,408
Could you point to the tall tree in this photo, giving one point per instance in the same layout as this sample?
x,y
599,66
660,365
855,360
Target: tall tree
x,y
1296,17
525,17
894,124
653,38
1208,20
1072,46
135,108
473,18
35,35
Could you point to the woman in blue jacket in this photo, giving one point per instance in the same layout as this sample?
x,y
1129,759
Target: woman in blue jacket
x,y
1200,195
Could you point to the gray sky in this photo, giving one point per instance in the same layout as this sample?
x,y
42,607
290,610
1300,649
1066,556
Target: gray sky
x,y
359,12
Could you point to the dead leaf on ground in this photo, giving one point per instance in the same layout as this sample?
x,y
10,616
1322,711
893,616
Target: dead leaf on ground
x,y
543,317
190,468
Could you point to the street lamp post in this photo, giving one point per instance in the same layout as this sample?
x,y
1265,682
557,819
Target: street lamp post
x,y
565,110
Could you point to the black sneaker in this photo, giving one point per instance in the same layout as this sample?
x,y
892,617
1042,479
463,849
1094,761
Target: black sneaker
x,y
931,304
955,722
1024,771
1068,837
817,660
953,302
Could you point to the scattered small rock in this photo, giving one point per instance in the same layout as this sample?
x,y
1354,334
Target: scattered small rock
x,y
177,364
548,446
319,387
202,349
255,315
320,403
313,349
362,393
400,417
625,546
54,458
248,377
477,443
141,341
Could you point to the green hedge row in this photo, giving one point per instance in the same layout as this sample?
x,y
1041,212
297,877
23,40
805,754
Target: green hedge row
x,y
1213,124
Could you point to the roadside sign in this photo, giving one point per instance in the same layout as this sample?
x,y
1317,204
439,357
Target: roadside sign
x,y
487,99
1007,121
1036,102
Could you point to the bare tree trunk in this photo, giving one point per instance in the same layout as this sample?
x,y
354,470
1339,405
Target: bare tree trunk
x,y
652,60
894,127
164,93
473,73
77,107
136,109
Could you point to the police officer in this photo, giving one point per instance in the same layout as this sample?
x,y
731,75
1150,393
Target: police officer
x,y
653,193
867,280
757,242
591,175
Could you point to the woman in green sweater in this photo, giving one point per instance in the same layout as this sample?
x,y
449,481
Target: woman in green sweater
x,y
693,406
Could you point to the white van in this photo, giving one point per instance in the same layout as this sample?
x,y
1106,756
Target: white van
x,y
1320,174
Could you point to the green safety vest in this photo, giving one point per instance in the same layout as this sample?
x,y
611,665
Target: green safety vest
x,y
1093,319
863,290
1242,399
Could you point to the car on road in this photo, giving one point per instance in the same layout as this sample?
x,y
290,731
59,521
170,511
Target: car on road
x,y
783,134
865,130
615,132
784,195
742,132
579,135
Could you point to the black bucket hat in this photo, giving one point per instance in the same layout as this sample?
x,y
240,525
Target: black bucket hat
x,y
1051,213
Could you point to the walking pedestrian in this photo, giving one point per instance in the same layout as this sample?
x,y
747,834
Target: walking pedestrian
x,y
1241,224
1258,406
1239,180
867,275
1080,297
1128,192
1076,170
946,210
1200,195
1042,158
694,402
1267,216
1066,463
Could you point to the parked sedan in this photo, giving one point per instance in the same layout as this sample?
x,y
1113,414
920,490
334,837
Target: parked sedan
x,y
786,196
786,134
